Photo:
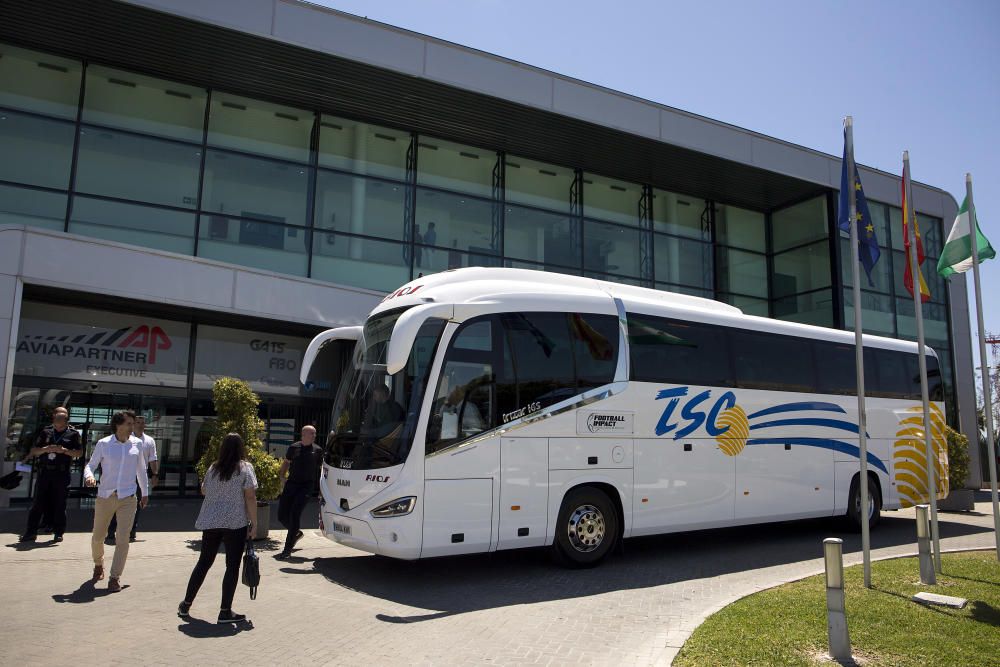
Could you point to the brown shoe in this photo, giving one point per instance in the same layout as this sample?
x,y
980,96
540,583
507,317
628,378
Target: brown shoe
x,y
113,585
98,573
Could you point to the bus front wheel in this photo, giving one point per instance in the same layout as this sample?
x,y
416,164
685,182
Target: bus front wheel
x,y
854,504
587,527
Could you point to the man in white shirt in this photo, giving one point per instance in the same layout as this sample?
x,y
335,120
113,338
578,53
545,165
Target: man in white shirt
x,y
149,453
123,468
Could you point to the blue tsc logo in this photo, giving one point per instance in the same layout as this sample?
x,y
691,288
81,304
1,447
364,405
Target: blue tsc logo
x,y
731,426
690,413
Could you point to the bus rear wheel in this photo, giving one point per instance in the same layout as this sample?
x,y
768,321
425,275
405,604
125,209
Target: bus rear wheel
x,y
854,505
587,528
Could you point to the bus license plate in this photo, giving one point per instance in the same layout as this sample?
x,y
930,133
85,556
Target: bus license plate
x,y
341,528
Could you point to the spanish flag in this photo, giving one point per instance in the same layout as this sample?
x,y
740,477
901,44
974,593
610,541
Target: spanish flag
x,y
925,293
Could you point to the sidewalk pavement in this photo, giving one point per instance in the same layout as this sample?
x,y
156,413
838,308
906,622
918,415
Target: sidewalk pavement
x,y
333,605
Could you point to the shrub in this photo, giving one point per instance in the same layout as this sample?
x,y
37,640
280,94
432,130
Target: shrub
x,y
958,458
236,412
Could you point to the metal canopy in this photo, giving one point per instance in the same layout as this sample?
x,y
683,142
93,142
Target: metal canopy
x,y
172,47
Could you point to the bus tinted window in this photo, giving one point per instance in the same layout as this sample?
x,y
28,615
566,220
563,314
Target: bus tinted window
x,y
935,386
465,399
595,348
896,378
542,352
771,361
836,372
674,352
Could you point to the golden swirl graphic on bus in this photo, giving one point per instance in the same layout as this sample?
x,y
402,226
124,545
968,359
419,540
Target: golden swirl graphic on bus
x,y
910,460
734,439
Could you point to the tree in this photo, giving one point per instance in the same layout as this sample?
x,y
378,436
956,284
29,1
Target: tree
x,y
958,458
236,412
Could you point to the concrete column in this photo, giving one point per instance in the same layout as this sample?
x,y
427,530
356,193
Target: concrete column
x,y
11,289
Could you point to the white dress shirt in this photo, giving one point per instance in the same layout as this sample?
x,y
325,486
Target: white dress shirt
x,y
148,447
122,467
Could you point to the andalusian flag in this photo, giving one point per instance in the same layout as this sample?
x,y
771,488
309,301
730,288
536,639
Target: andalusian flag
x,y
957,254
925,292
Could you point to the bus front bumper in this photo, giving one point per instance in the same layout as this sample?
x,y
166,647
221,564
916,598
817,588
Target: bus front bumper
x,y
385,537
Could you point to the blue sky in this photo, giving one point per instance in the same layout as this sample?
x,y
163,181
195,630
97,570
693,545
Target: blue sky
x,y
915,76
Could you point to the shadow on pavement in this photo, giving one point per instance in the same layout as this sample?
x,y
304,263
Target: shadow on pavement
x,y
31,546
269,544
200,629
87,592
462,584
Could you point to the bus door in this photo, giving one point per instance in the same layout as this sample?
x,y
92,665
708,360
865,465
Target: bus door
x,y
462,467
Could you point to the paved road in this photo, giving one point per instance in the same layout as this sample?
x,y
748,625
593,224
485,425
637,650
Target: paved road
x,y
332,605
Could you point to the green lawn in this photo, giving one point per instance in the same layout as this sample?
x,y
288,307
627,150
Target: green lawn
x,y
787,625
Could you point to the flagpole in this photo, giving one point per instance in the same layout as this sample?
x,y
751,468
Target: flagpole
x,y
918,308
987,400
859,362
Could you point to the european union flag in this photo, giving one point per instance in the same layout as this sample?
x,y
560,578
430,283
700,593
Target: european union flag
x,y
868,251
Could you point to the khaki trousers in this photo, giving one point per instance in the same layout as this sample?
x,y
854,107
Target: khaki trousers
x,y
104,509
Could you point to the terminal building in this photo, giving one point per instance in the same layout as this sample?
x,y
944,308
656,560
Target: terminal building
x,y
191,190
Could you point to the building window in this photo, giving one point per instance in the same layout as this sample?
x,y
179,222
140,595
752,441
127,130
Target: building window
x,y
362,148
254,243
144,104
683,261
360,262
681,215
253,126
538,184
130,166
39,82
144,226
610,199
36,208
255,188
443,164
740,228
358,205
36,151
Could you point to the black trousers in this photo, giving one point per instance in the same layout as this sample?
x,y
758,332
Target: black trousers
x,y
51,490
113,526
235,541
293,500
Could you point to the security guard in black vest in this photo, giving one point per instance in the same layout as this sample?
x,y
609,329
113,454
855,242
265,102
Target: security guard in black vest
x,y
55,448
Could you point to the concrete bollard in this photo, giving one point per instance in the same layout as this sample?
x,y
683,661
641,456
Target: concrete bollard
x,y
836,613
927,575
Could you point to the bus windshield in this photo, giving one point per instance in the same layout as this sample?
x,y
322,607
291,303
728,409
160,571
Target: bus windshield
x,y
375,414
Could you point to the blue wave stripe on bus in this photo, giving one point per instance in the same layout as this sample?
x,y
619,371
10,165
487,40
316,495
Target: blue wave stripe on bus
x,y
824,443
795,407
809,421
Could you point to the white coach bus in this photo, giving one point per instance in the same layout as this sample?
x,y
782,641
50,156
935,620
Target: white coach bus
x,y
491,409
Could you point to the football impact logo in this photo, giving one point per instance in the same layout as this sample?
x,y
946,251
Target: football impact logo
x,y
598,423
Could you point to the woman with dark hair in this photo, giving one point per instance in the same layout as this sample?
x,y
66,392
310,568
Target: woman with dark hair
x,y
227,517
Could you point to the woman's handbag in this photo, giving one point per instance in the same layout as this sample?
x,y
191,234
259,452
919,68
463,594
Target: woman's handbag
x,y
251,569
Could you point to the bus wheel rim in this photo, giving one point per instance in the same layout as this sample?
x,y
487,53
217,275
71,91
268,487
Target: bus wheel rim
x,y
586,528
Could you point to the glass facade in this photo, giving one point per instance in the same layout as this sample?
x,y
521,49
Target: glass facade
x,y
105,152
886,306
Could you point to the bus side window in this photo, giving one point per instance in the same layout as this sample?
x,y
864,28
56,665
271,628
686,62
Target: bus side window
x,y
543,358
836,371
774,362
674,352
595,348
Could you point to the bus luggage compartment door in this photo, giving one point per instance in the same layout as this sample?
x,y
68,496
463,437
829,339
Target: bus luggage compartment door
x,y
458,516
524,493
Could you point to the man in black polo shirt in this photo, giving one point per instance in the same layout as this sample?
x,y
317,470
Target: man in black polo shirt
x,y
302,464
55,448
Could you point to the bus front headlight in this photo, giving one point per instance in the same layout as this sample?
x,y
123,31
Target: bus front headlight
x,y
398,507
